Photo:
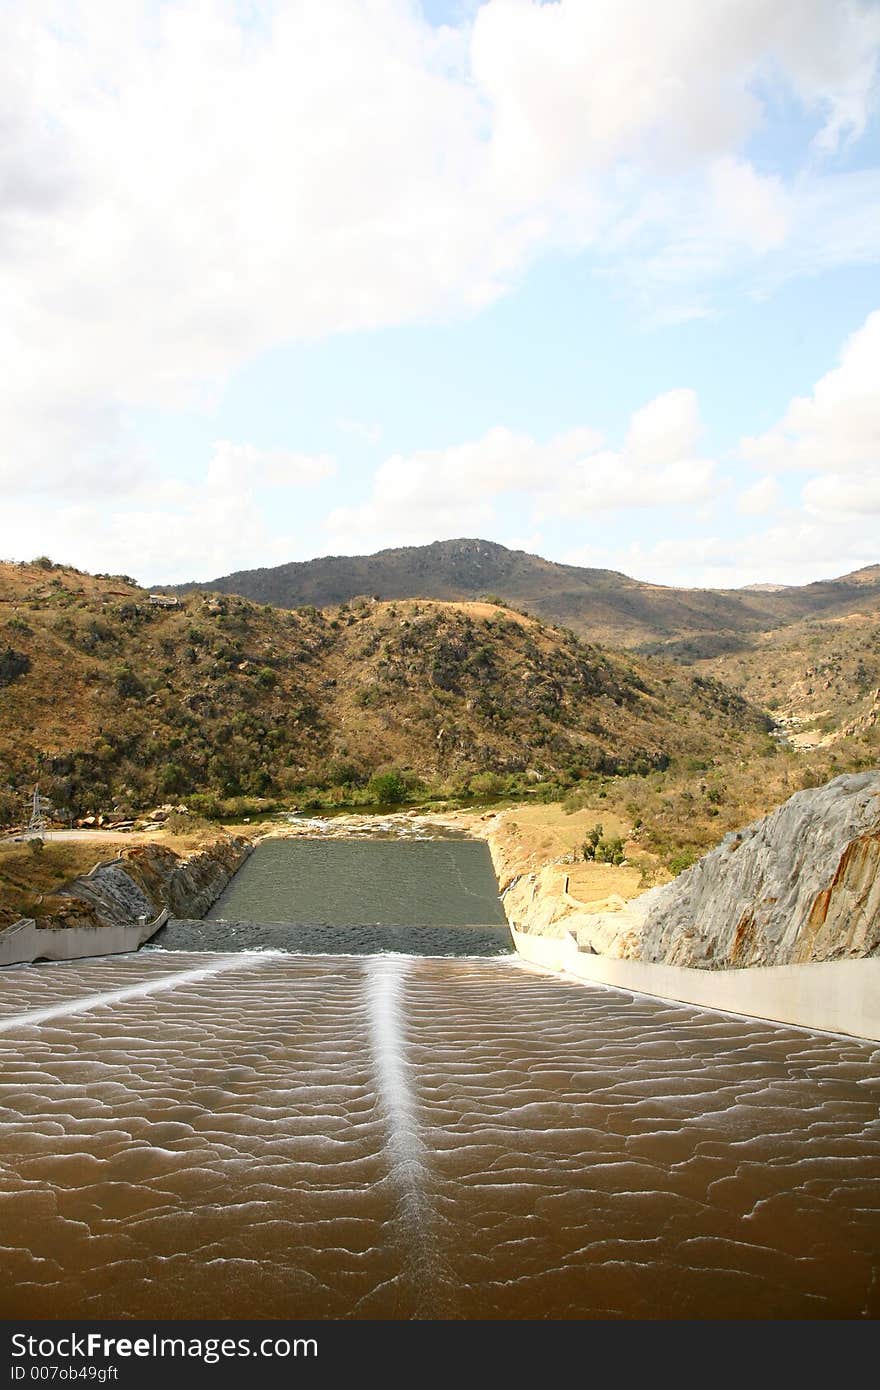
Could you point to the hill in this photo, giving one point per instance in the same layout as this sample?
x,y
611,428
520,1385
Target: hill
x,y
819,678
600,605
117,701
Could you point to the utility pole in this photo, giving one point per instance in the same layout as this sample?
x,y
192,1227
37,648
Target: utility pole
x,y
41,804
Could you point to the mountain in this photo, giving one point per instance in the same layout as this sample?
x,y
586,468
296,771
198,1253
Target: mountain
x,y
117,700
600,605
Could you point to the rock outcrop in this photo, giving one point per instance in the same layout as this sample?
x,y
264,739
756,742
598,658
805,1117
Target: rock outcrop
x,y
803,884
149,878
120,904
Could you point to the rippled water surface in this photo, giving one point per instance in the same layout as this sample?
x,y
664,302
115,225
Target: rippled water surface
x,y
289,1136
365,882
305,939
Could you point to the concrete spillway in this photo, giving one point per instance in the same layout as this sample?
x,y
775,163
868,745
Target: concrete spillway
x,y
293,1136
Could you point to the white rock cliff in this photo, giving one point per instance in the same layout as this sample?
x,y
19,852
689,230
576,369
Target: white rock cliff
x,y
803,884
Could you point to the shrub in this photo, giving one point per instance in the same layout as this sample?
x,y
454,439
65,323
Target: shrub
x,y
595,847
206,804
128,685
610,851
387,788
12,665
367,696
341,773
172,777
590,844
487,784
681,860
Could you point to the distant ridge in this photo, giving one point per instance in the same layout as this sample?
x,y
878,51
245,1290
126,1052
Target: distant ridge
x,y
599,604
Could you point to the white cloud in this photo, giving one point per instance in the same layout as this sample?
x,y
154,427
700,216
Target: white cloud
x,y
165,529
852,494
796,550
679,246
665,429
441,492
658,465
435,492
245,463
837,427
749,206
184,185
158,537
762,497
581,86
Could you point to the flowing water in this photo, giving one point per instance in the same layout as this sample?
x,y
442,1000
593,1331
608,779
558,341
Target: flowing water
x,y
353,883
273,1135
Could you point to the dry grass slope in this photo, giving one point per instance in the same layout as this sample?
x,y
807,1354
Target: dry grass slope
x,y
119,702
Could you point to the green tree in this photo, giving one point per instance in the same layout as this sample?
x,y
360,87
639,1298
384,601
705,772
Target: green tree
x,y
388,788
590,844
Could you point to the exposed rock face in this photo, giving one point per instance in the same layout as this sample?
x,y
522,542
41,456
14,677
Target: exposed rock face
x,y
803,884
149,878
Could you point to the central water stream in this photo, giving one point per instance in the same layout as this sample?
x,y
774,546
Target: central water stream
x,y
291,1136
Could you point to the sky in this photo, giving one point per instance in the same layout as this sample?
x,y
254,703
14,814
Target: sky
x,y
597,279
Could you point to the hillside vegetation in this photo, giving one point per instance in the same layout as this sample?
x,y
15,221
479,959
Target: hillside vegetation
x,y
820,679
116,702
599,605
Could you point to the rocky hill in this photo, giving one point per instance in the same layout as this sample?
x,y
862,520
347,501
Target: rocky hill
x,y
802,884
819,678
600,605
117,700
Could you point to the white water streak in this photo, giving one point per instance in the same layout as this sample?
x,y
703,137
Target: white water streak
x,y
167,980
404,1146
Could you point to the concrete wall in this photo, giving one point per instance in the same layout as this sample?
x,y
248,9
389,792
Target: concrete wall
x,y
25,942
832,996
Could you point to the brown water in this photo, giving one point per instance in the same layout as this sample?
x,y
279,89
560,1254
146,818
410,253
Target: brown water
x,y
290,1136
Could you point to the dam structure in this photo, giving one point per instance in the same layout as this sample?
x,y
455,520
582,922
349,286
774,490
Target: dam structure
x,y
247,1125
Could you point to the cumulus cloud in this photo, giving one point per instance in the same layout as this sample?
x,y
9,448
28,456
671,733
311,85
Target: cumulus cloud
x,y
658,465
158,537
434,492
184,185
421,496
852,494
837,427
577,86
164,529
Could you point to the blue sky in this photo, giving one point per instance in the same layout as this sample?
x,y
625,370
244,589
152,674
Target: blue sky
x,y
322,276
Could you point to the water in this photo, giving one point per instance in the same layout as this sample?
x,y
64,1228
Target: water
x,y
355,897
351,883
272,1135
300,938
